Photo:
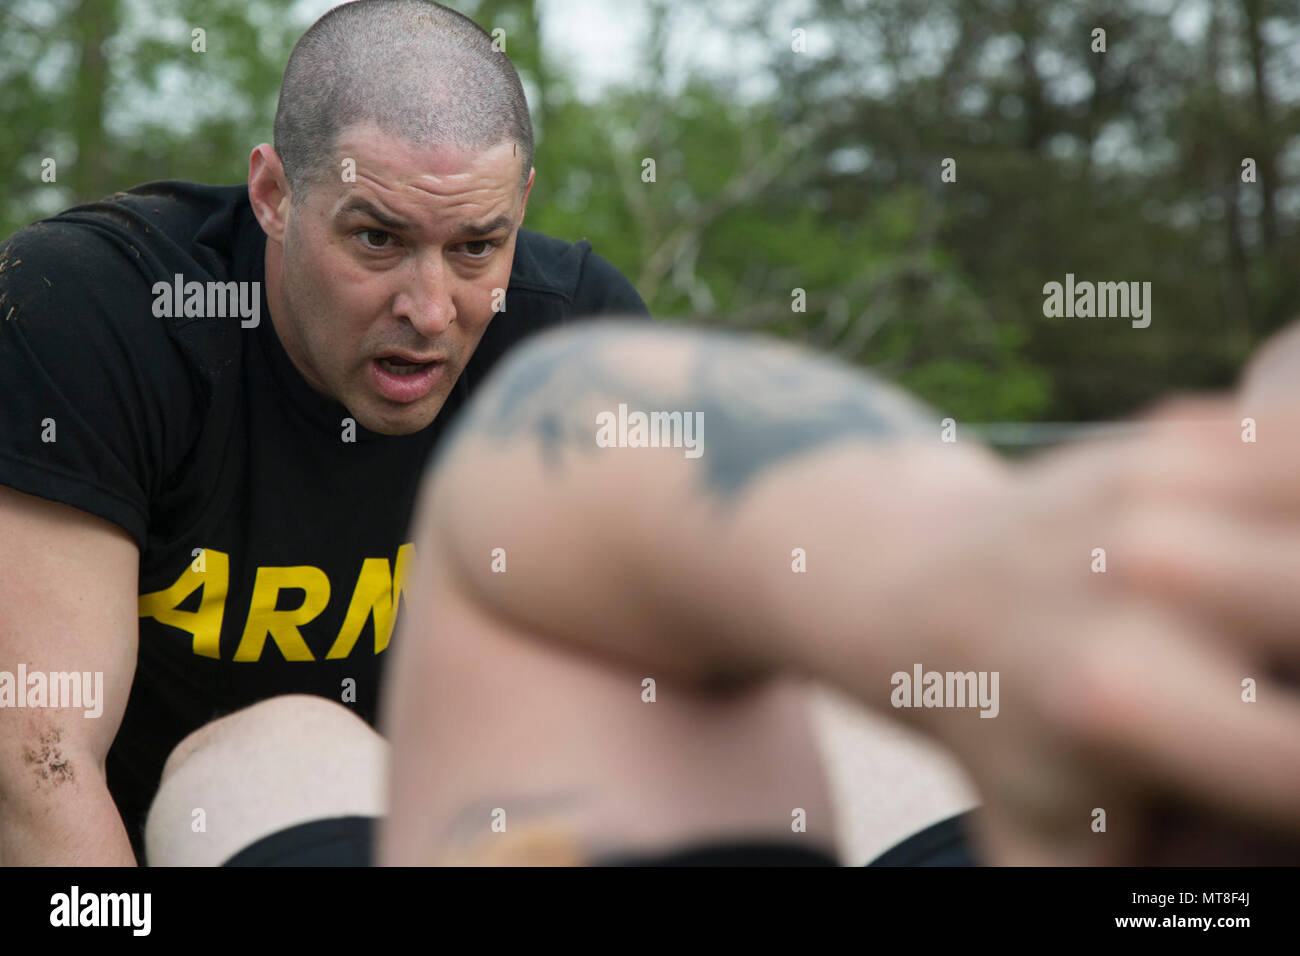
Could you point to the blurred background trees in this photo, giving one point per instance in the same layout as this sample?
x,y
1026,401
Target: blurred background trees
x,y
804,160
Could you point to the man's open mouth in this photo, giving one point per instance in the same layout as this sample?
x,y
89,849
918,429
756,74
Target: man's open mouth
x,y
407,378
400,366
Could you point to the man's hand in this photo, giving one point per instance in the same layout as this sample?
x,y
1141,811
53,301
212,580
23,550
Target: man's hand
x,y
1122,691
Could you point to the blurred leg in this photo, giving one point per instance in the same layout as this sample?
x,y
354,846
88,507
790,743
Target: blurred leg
x,y
888,782
510,750
280,762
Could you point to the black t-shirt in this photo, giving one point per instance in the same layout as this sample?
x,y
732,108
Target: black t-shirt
x,y
273,553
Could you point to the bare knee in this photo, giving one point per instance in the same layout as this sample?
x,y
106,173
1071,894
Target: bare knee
x,y
276,721
276,763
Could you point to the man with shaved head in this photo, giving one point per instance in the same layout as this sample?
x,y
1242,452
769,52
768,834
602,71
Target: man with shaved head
x,y
217,406
214,513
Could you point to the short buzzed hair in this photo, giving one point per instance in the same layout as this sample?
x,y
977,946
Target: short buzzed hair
x,y
416,69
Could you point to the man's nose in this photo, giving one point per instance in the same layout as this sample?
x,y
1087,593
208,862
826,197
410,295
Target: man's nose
x,y
426,299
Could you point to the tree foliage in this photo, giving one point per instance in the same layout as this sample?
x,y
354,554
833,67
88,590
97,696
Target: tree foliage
x,y
1123,165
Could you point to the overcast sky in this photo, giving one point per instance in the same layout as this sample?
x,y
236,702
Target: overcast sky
x,y
600,41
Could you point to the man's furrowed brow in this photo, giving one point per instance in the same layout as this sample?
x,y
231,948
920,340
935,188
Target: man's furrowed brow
x,y
358,205
487,228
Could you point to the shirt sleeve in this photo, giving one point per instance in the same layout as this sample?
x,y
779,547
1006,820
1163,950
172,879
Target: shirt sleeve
x,y
603,290
95,397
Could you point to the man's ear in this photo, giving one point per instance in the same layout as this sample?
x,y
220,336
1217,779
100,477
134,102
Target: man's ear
x,y
532,174
268,191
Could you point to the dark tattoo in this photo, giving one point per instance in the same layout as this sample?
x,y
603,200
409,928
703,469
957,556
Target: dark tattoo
x,y
763,401
474,822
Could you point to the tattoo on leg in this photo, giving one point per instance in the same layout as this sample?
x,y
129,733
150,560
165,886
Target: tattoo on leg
x,y
764,401
515,830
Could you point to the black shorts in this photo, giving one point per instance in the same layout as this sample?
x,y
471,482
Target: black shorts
x,y
943,844
338,841
348,841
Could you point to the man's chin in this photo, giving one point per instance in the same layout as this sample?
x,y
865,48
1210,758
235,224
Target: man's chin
x,y
390,418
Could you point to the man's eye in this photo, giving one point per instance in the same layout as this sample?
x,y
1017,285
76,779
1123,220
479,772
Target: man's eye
x,y
480,248
368,234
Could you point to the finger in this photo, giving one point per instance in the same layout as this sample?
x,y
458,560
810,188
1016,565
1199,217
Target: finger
x,y
1168,705
1241,574
1213,460
1238,461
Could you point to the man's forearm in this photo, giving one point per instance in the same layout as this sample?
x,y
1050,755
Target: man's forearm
x,y
772,543
62,823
